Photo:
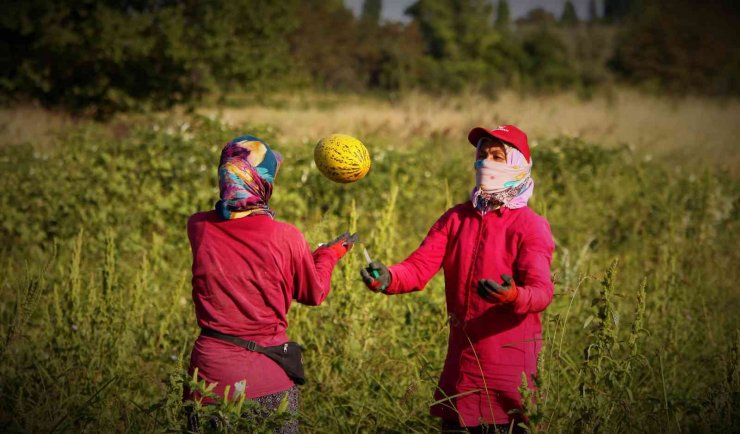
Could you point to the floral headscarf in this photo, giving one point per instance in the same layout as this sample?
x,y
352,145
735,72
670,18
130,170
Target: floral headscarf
x,y
497,184
246,174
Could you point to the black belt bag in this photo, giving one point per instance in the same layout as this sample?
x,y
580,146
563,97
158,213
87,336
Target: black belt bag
x,y
287,355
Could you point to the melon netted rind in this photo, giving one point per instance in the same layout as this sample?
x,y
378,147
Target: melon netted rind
x,y
342,158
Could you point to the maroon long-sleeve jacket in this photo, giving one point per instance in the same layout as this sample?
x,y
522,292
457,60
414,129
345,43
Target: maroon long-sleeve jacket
x,y
246,273
490,345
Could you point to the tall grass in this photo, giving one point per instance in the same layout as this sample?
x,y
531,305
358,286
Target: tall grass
x,y
641,336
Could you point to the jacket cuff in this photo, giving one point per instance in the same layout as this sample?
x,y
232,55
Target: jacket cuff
x,y
326,254
392,287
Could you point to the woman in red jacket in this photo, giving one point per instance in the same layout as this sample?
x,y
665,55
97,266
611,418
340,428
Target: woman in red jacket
x,y
496,255
247,269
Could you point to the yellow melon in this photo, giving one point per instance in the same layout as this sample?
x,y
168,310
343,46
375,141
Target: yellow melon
x,y
342,158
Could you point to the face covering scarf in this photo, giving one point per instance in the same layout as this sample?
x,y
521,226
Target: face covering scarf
x,y
246,175
502,184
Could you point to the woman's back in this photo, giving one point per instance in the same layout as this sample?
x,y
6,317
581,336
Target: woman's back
x,y
247,271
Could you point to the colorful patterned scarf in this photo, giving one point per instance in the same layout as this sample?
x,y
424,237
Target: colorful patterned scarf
x,y
246,175
497,184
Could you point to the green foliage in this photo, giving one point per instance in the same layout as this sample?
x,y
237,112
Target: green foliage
x,y
455,29
335,51
231,412
371,10
466,52
97,339
503,15
98,58
538,16
456,76
669,47
569,16
102,57
618,10
548,65
593,14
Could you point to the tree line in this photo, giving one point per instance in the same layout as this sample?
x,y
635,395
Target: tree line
x,y
99,57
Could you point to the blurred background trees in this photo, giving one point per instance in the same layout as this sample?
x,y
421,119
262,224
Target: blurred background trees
x,y
681,46
113,55
101,57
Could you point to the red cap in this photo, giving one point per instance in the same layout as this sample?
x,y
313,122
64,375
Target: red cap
x,y
508,133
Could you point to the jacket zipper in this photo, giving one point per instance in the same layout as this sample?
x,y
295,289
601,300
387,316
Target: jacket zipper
x,y
473,266
467,296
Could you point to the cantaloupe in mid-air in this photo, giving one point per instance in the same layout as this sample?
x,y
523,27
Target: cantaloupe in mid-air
x,y
342,158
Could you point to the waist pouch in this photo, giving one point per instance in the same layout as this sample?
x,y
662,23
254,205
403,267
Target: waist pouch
x,y
287,355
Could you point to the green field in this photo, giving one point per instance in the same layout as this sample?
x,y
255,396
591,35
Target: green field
x,y
96,320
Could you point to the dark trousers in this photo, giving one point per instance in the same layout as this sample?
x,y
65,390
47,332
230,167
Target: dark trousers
x,y
269,402
450,427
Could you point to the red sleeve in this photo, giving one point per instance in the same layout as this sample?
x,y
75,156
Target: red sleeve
x,y
415,271
312,277
532,268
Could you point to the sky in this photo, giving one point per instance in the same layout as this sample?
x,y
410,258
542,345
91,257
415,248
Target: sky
x,y
393,9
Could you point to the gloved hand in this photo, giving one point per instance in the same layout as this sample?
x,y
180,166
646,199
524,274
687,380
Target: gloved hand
x,y
342,244
492,292
376,284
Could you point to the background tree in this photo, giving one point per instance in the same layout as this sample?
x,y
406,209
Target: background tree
x,y
371,11
320,53
454,29
569,16
458,35
101,57
618,10
503,15
549,66
593,13
537,16
669,48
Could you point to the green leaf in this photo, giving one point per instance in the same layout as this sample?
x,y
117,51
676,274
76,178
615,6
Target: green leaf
x,y
283,404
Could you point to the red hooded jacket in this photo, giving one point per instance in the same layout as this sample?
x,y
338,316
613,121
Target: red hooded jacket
x,y
246,273
490,345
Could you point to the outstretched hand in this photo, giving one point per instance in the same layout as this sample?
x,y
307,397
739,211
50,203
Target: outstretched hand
x,y
342,244
493,292
376,276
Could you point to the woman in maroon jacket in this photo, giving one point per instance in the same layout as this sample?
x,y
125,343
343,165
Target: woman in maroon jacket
x,y
496,254
247,269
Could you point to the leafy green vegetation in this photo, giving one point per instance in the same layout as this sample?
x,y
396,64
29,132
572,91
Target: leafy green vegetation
x,y
96,321
98,58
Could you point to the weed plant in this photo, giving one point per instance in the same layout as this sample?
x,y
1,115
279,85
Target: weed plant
x,y
96,320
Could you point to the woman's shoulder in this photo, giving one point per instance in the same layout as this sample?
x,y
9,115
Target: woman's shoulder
x,y
460,209
287,227
466,206
196,226
263,223
527,214
201,217
530,223
456,213
288,230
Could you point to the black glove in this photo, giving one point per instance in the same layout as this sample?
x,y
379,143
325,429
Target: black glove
x,y
493,292
379,283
